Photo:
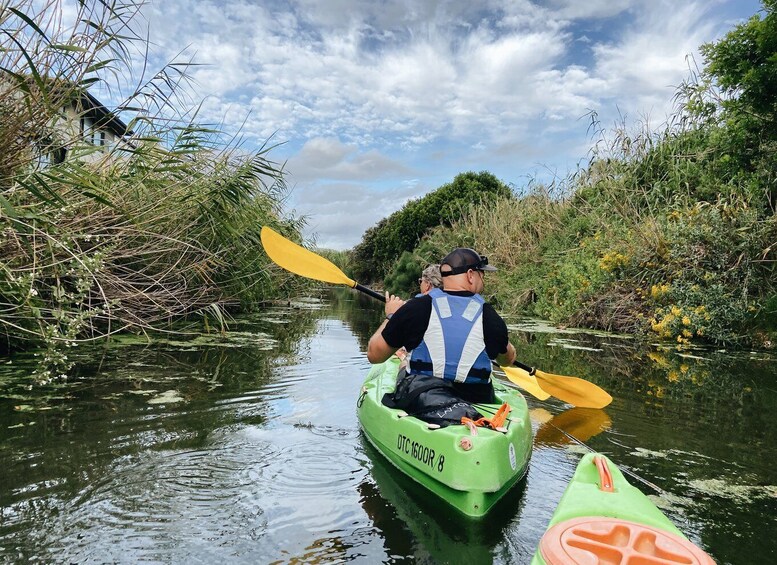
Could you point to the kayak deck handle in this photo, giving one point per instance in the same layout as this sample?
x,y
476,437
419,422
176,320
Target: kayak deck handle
x,y
605,477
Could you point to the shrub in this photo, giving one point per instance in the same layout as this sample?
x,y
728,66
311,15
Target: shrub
x,y
382,245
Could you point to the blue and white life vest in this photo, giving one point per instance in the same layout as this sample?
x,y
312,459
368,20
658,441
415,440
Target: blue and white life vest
x,y
453,347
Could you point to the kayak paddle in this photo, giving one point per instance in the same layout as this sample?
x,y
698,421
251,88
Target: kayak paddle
x,y
525,381
298,260
571,390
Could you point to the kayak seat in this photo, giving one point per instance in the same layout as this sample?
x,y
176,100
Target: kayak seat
x,y
600,540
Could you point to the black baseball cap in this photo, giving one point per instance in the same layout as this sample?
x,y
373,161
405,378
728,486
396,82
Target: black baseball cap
x,y
462,259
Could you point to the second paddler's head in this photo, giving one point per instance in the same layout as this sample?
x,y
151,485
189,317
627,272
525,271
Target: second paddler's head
x,y
430,278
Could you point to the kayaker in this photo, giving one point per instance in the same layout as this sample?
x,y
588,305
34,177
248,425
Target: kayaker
x,y
452,333
430,278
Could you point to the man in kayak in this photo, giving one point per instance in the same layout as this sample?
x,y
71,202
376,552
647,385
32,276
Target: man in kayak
x,y
452,333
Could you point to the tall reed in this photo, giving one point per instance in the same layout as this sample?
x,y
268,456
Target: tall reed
x,y
159,227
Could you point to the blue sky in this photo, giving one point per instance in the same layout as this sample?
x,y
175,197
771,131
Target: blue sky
x,y
378,102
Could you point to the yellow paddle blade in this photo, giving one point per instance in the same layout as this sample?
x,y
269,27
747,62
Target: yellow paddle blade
x,y
527,382
580,423
573,390
300,261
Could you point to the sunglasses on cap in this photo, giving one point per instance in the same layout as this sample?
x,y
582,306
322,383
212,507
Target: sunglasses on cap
x,y
481,265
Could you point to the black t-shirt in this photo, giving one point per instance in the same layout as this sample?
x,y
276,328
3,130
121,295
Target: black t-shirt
x,y
407,326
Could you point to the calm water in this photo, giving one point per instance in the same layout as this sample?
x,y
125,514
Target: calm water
x,y
245,448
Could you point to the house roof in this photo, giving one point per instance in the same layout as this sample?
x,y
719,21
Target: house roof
x,y
102,116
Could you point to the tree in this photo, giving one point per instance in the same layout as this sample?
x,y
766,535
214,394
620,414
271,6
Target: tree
x,y
383,244
744,66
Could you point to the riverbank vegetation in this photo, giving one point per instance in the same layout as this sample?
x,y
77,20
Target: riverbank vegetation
x,y
161,227
667,232
375,257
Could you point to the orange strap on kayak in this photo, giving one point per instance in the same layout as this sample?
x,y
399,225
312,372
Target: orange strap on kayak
x,y
496,421
605,477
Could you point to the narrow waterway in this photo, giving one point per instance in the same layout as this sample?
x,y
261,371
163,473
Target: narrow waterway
x,y
245,448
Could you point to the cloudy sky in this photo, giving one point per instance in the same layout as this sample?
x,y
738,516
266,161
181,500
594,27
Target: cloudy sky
x,y
375,102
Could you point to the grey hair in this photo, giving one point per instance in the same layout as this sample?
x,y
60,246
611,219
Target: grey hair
x,y
432,275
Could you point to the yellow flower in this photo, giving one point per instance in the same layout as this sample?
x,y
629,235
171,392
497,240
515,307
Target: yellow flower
x,y
659,359
612,260
657,291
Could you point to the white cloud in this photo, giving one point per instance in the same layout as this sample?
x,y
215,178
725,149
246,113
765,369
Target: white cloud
x,y
328,158
643,67
575,9
339,213
373,94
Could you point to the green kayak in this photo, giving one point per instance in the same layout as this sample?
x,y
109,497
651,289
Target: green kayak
x,y
601,518
471,469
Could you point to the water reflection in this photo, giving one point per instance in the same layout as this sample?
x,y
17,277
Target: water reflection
x,y
245,447
423,528
575,425
139,447
695,423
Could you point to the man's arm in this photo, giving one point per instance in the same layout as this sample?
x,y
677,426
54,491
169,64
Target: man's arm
x,y
497,338
378,350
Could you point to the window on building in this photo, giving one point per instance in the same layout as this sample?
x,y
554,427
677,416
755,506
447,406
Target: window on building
x,y
98,137
91,133
49,153
58,155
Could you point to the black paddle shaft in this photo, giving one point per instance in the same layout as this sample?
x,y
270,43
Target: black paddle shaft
x,y
526,368
370,292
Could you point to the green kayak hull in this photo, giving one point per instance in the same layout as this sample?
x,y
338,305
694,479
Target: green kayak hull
x,y
471,472
583,498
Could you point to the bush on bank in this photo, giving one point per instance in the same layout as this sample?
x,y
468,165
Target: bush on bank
x,y
374,258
